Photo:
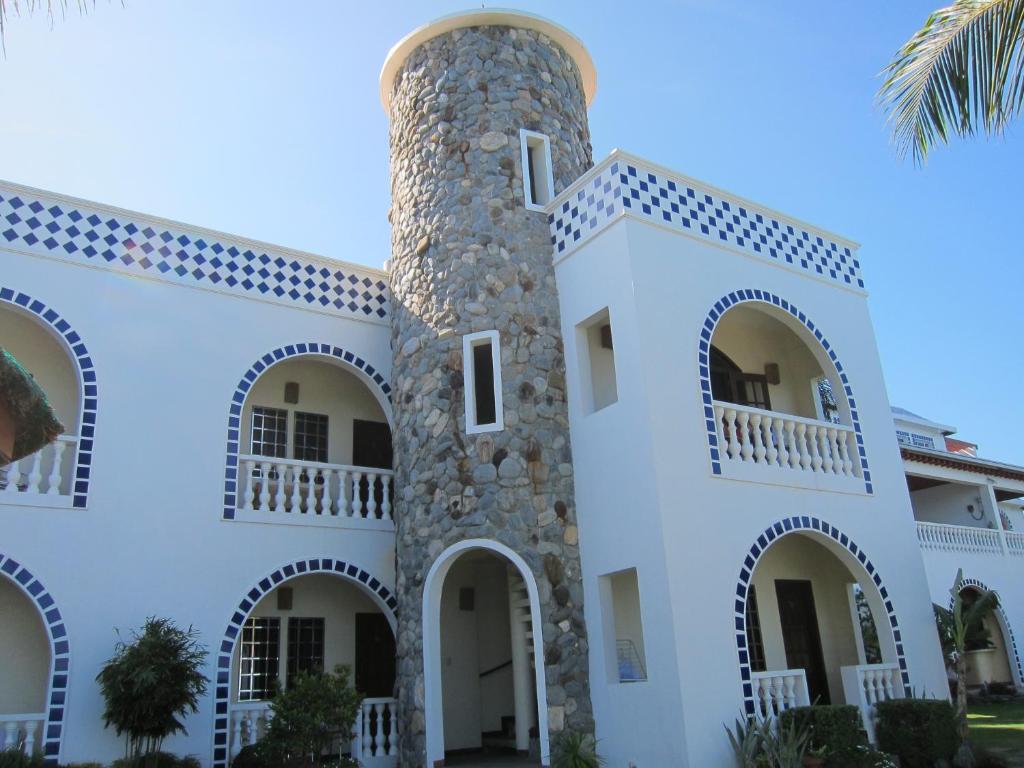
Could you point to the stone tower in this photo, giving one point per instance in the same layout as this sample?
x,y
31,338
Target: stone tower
x,y
469,256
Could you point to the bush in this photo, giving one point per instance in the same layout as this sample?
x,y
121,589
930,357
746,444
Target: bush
x,y
250,757
837,729
918,731
160,760
15,758
575,750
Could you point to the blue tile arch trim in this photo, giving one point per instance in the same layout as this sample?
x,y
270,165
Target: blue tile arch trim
x,y
128,242
60,654
88,396
383,596
350,359
707,332
1009,638
785,527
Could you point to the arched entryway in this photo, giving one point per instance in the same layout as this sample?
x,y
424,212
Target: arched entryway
x,y
486,696
992,654
305,616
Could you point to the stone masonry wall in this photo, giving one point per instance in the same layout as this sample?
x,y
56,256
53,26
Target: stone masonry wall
x,y
468,256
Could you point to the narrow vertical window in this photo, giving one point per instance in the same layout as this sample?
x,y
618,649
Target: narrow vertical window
x,y
481,363
269,432
755,642
623,627
310,442
596,351
305,646
538,180
258,658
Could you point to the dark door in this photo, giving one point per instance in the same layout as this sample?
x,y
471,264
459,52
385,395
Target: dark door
x,y
375,655
371,444
800,636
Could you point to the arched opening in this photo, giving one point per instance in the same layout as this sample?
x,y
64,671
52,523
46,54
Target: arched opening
x,y
988,648
24,669
817,628
314,443
47,476
485,692
314,622
778,406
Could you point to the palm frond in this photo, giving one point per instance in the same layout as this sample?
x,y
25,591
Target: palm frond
x,y
31,6
960,74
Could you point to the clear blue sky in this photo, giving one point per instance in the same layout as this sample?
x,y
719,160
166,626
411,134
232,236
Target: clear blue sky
x,y
263,119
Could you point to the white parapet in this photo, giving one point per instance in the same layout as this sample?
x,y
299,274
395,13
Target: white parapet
x,y
864,685
778,690
42,478
22,732
962,538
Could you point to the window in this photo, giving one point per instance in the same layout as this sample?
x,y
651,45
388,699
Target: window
x,y
825,400
626,658
305,646
864,626
731,385
597,361
538,183
310,442
269,432
258,659
481,363
755,642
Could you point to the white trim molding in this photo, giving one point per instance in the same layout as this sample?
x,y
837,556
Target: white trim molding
x,y
469,342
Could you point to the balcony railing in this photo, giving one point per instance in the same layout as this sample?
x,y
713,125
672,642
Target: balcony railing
x,y
22,732
865,685
374,740
1015,543
958,538
43,478
283,490
763,445
777,691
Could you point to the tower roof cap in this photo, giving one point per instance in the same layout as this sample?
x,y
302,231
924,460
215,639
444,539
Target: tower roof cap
x,y
487,17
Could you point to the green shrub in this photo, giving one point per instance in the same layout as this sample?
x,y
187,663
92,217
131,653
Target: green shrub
x,y
918,731
250,757
159,760
575,750
837,729
82,765
15,758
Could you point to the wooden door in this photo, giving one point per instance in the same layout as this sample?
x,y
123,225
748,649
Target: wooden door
x,y
375,655
800,636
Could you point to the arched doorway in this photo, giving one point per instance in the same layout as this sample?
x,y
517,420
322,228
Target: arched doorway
x,y
305,616
486,697
991,648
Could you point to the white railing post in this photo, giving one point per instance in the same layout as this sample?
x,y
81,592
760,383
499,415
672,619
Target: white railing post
x,y
295,500
357,735
53,482
11,733
865,685
385,482
777,691
357,503
371,495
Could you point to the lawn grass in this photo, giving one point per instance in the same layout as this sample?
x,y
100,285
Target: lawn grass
x,y
998,727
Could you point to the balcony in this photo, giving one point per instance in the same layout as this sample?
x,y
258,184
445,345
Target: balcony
x,y
307,492
374,741
43,479
943,537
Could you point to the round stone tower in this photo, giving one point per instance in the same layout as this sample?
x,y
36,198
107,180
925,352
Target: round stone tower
x,y
468,255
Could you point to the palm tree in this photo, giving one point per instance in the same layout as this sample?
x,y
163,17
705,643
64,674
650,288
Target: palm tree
x,y
957,626
31,6
960,74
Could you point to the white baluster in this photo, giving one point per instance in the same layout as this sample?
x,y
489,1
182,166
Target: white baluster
x,y
730,427
778,696
793,451
357,503
236,733
721,429
57,470
10,735
35,472
30,737
835,460
825,449
279,497
371,495
844,453
770,440
743,421
812,445
385,482
392,732
888,683
326,499
755,433
801,441
870,681
357,726
789,691
248,481
265,486
296,495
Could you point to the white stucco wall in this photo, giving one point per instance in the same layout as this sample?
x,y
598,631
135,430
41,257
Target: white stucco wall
x,y
948,504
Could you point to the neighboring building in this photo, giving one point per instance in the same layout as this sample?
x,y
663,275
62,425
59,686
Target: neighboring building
x,y
970,517
607,449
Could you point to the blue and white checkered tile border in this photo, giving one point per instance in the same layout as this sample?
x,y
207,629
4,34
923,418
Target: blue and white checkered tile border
x,y
222,695
704,351
86,375
785,527
60,654
625,188
269,360
189,258
1018,668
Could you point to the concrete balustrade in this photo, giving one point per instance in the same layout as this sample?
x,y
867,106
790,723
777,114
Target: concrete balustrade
x,y
963,538
864,685
278,488
24,732
42,478
777,691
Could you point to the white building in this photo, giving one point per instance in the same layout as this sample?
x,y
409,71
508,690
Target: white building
x,y
227,464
